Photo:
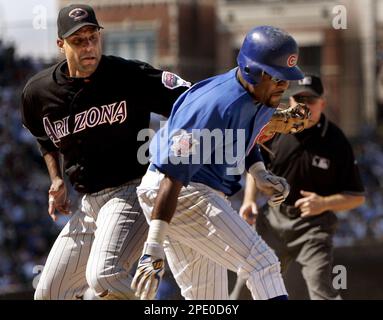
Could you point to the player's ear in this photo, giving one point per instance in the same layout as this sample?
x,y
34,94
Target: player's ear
x,y
292,101
60,44
323,103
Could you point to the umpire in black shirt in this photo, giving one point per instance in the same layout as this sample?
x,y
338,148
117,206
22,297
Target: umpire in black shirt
x,y
319,165
89,108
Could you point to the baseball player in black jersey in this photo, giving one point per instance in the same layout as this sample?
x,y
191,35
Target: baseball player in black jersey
x,y
90,108
319,165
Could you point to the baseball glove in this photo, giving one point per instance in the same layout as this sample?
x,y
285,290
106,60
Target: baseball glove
x,y
292,119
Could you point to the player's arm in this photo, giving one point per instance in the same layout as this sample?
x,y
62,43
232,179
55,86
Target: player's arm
x,y
275,187
31,119
58,199
151,264
165,88
351,191
248,210
166,201
52,161
312,204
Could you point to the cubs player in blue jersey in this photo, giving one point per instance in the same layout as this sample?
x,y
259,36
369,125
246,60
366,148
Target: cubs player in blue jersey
x,y
196,162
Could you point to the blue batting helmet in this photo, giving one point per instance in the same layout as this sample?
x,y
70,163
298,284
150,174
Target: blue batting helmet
x,y
269,49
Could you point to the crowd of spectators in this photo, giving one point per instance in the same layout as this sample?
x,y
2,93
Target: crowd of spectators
x,y
26,230
365,223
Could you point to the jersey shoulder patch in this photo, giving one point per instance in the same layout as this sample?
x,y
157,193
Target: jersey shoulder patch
x,y
171,80
183,144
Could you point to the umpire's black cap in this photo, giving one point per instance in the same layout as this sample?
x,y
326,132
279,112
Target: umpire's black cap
x,y
74,17
310,83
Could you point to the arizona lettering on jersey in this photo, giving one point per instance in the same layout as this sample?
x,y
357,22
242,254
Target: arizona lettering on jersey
x,y
107,114
115,112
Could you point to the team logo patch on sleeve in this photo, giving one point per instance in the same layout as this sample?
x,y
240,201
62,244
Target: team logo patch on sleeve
x,y
172,81
183,144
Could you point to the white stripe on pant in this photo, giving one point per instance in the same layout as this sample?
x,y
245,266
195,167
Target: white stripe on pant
x,y
207,237
97,247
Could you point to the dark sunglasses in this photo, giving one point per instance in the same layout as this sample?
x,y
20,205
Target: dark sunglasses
x,y
274,79
306,99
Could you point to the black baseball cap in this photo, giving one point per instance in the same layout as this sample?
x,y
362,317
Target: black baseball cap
x,y
73,17
310,83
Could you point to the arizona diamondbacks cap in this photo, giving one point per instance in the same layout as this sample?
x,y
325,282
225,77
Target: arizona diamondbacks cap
x,y
74,17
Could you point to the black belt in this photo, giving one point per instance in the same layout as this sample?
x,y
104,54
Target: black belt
x,y
290,211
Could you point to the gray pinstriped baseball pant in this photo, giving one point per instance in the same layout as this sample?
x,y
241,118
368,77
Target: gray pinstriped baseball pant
x,y
97,247
206,237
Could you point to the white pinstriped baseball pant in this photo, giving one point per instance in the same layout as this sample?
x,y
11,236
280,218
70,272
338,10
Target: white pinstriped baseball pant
x,y
206,237
97,247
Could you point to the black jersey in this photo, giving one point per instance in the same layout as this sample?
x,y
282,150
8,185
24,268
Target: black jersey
x,y
94,121
319,159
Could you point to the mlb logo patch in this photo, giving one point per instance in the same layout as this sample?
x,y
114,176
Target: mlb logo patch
x,y
306,81
172,81
321,163
183,144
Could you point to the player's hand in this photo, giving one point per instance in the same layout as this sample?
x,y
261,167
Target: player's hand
x,y
150,270
311,204
274,186
58,198
248,212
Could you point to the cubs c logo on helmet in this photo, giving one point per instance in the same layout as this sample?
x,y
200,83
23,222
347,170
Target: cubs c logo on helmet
x,y
292,60
78,14
258,53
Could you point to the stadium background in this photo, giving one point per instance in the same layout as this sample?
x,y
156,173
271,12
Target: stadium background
x,y
340,40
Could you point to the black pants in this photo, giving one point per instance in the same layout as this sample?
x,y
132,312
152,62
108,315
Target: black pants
x,y
308,241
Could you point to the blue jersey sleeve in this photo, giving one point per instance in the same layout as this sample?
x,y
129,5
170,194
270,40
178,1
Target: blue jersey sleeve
x,y
188,141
